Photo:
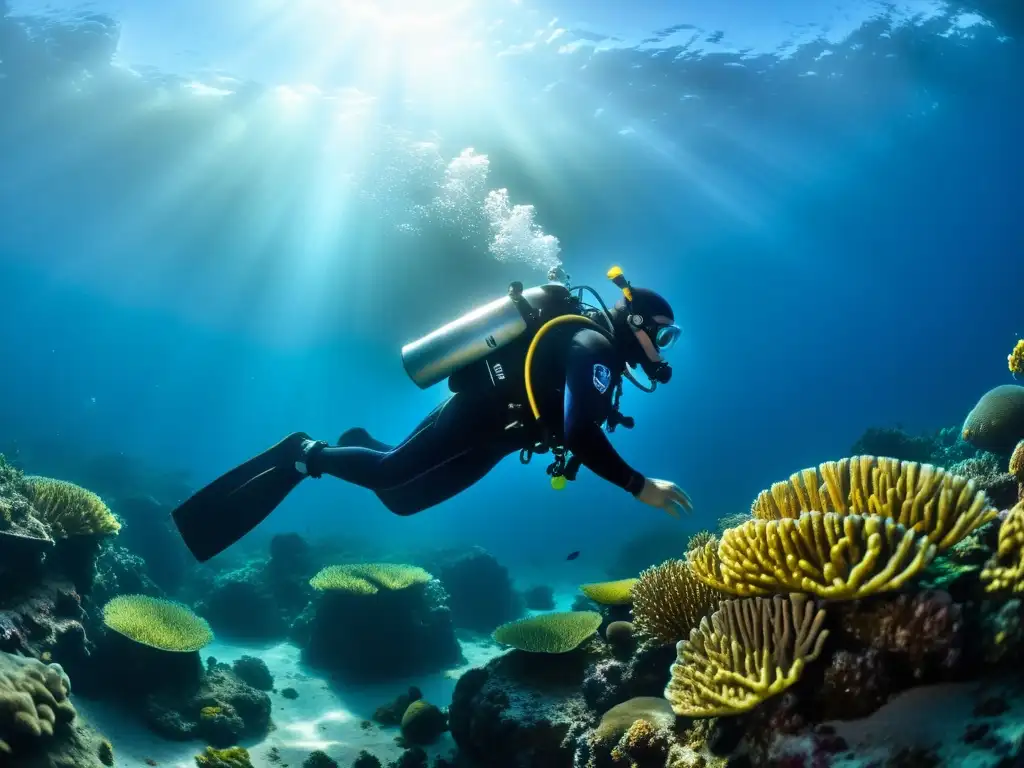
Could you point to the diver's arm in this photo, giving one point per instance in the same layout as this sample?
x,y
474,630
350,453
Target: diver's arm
x,y
585,409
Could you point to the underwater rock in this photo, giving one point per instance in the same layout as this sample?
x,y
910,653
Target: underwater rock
x,y
390,634
240,604
222,711
539,598
480,591
608,682
854,685
253,671
411,758
287,574
320,759
519,709
45,621
365,760
39,727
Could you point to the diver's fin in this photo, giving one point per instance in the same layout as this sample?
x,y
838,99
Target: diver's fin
x,y
357,437
220,514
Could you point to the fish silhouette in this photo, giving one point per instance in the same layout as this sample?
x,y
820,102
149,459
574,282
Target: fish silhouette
x,y
573,555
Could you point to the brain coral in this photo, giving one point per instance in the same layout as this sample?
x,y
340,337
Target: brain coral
x,y
996,423
33,702
557,632
161,624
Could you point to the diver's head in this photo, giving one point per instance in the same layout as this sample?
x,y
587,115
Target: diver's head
x,y
644,329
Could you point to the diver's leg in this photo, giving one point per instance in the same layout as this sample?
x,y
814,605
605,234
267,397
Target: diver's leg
x,y
457,443
357,437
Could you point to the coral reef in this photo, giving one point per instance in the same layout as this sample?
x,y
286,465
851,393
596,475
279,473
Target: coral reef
x,y
378,622
240,604
619,592
232,757
67,509
1015,360
39,727
480,591
221,710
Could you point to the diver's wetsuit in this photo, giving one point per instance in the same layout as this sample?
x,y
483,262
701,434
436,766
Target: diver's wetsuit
x,y
462,439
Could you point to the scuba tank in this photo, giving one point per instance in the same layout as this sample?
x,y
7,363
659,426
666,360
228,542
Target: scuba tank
x,y
478,334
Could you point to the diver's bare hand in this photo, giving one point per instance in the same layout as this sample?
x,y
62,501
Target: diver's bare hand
x,y
666,496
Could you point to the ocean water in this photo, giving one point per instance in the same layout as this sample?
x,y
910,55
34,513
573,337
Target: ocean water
x,y
220,222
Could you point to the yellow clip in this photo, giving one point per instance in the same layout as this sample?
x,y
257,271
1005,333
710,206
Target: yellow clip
x,y
558,482
616,276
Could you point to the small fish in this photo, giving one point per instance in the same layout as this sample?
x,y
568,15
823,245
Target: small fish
x,y
573,555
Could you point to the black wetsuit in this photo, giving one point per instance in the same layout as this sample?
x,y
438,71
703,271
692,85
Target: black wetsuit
x,y
460,441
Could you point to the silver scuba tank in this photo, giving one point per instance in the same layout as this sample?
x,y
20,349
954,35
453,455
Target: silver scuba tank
x,y
478,333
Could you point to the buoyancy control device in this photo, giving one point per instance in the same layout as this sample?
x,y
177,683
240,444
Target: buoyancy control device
x,y
495,344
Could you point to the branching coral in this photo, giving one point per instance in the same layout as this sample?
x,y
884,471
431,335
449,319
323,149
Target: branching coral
x,y
67,509
161,624
368,578
610,592
557,632
746,652
699,539
825,554
1005,571
1015,360
926,499
669,601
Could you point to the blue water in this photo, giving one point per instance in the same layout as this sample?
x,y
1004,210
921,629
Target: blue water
x,y
218,226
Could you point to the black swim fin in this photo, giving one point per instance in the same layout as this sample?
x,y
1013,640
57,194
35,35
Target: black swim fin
x,y
224,511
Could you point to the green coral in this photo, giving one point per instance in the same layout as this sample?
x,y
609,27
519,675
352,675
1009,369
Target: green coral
x,y
556,632
610,592
67,509
162,624
106,753
423,723
233,757
208,713
368,578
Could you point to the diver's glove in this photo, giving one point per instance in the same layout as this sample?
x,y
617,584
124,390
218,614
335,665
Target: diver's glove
x,y
665,496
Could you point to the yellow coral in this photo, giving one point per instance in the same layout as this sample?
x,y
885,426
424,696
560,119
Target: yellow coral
x,y
1016,466
618,720
610,592
233,757
368,578
208,713
68,509
826,554
162,624
1015,360
931,501
746,652
669,601
1005,571
699,539
556,632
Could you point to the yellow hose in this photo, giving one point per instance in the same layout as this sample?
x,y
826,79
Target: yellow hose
x,y
560,320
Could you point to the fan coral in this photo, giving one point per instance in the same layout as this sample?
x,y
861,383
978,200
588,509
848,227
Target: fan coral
x,y
162,624
826,554
928,500
557,632
748,651
69,510
996,423
1005,571
1015,360
669,601
368,578
610,592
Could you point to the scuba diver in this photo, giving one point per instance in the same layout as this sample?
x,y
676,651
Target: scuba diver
x,y
536,371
